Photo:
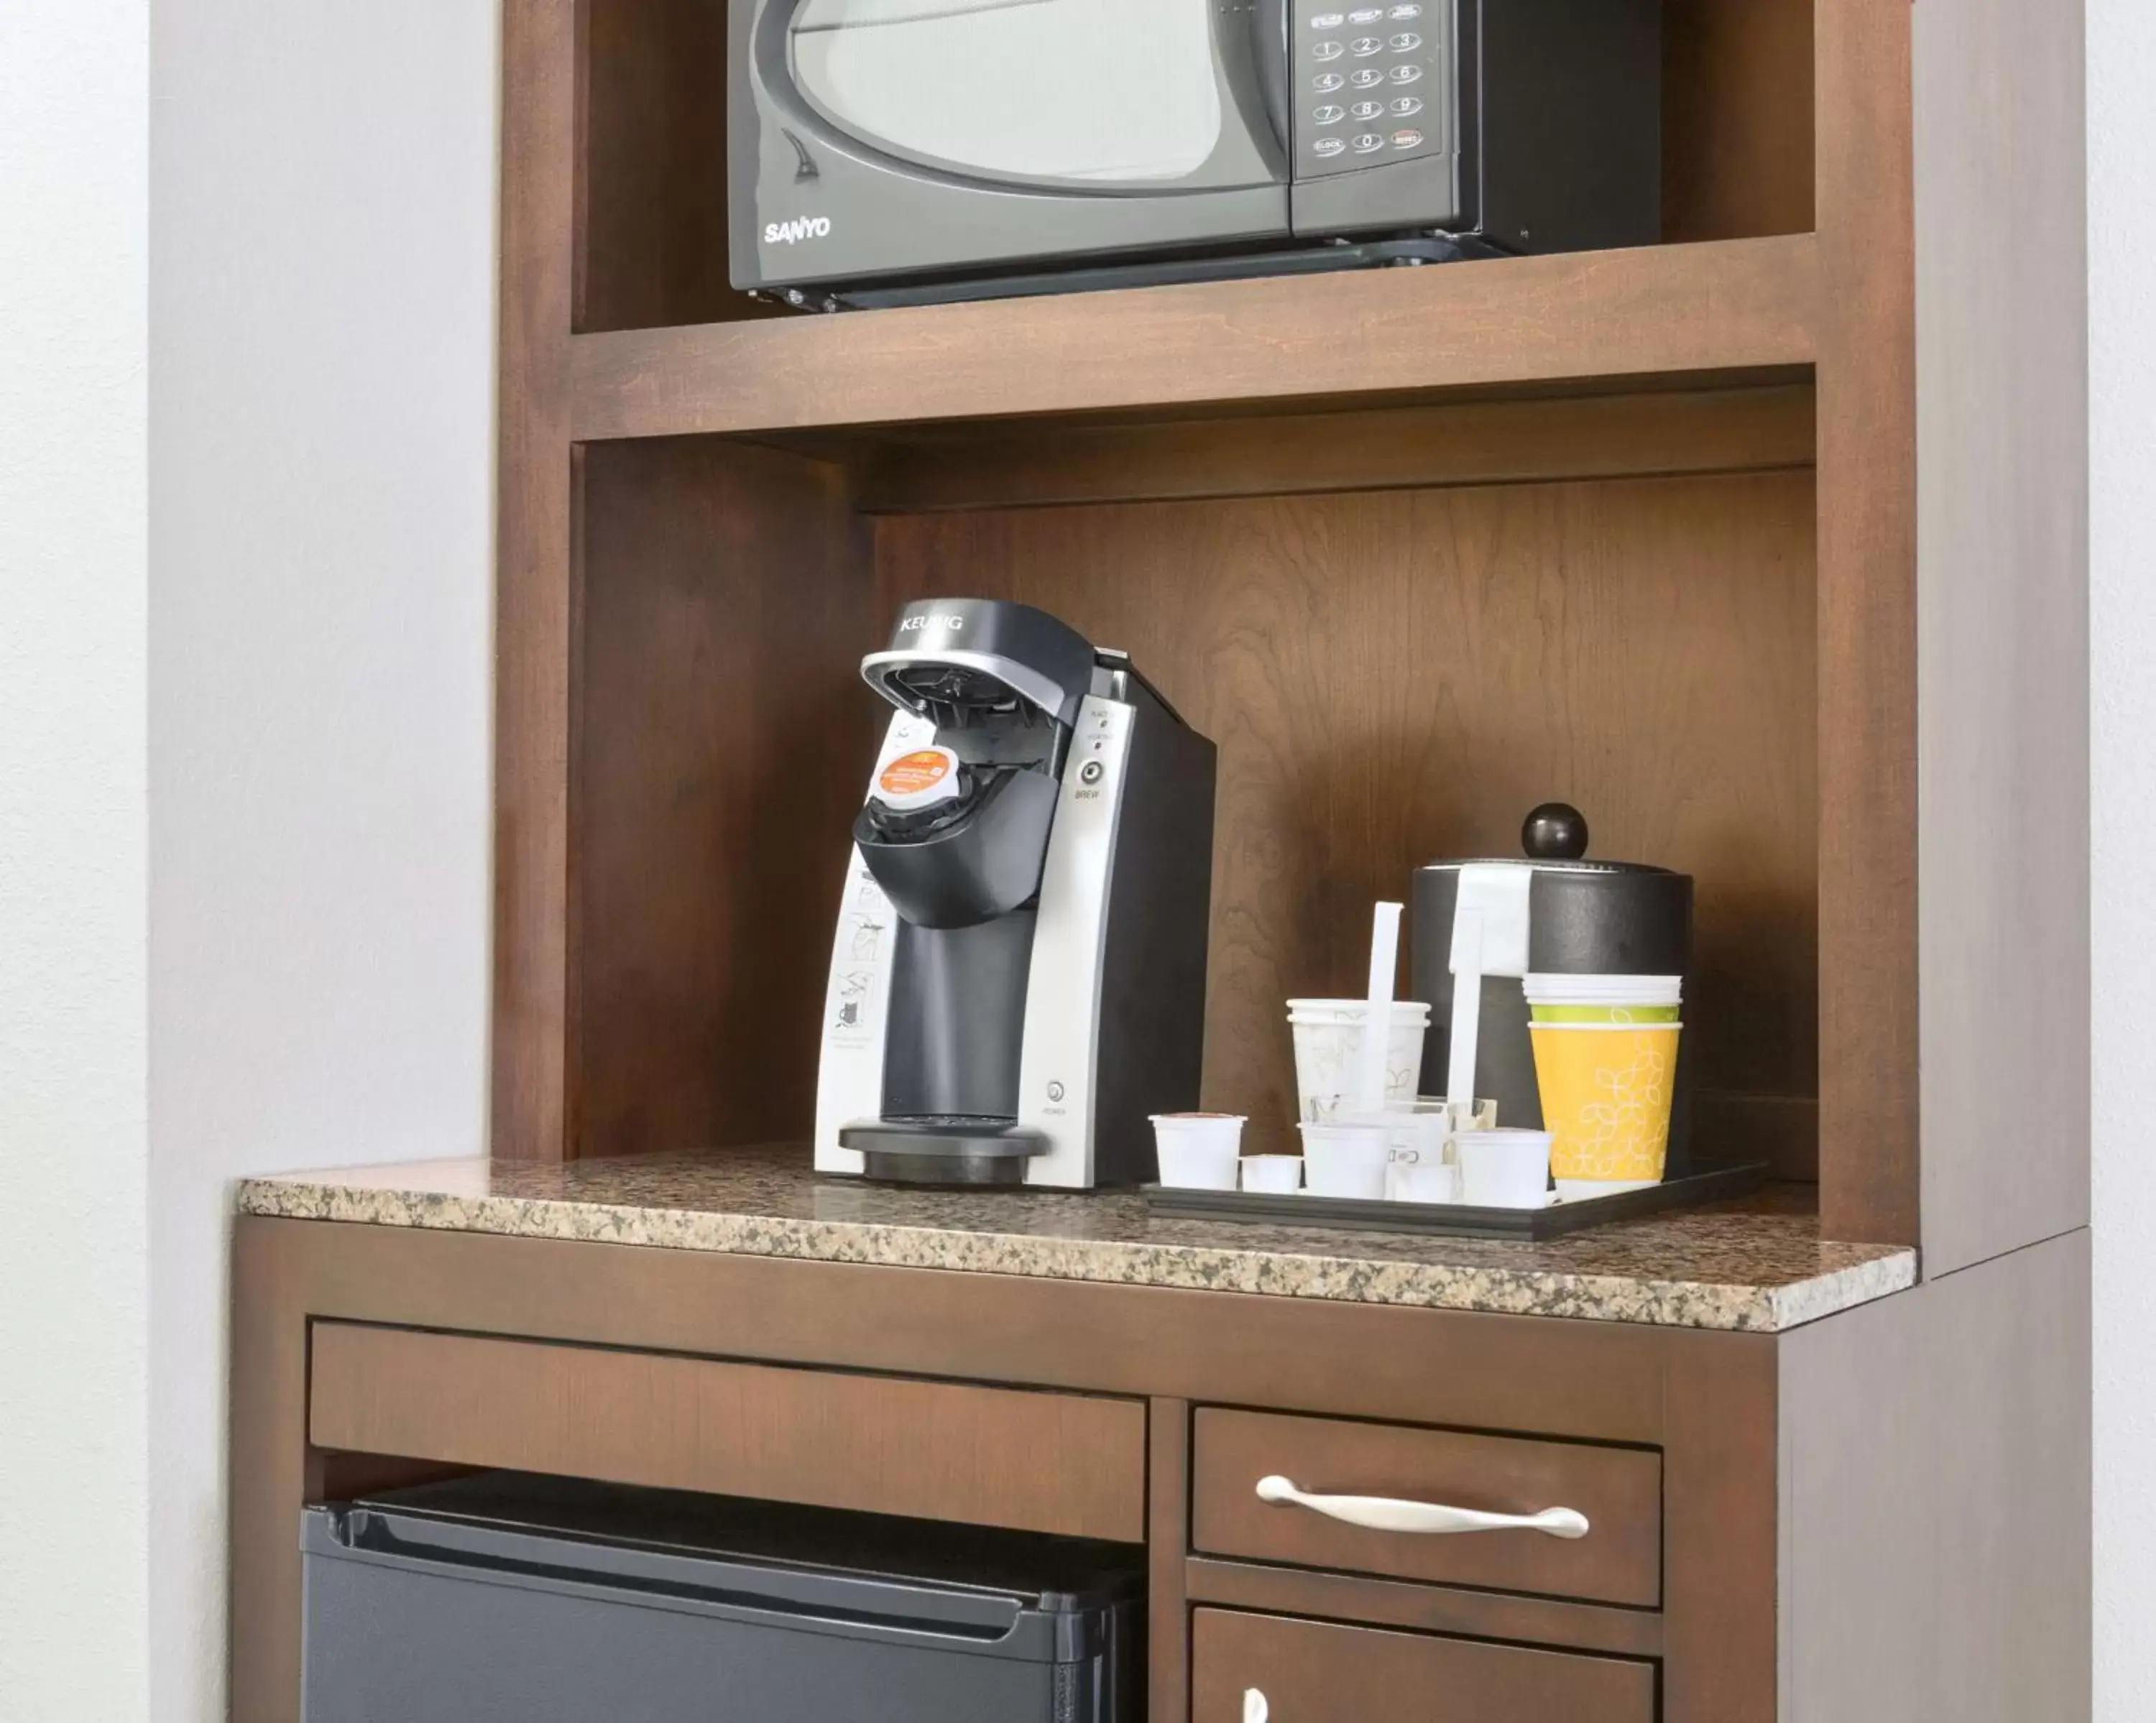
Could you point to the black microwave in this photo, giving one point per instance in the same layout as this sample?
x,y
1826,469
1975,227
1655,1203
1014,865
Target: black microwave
x,y
887,150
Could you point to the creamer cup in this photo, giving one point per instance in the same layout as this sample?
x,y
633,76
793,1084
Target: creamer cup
x,y
1199,1151
1345,1160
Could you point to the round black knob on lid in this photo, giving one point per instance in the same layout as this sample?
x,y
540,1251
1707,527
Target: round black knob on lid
x,y
1554,832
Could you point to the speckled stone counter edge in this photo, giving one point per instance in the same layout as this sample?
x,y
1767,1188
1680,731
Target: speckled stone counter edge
x,y
1675,1304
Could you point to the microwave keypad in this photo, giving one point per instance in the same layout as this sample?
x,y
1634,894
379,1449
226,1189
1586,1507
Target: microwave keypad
x,y
1387,60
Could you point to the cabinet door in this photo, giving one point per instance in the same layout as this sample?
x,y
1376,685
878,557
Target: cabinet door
x,y
1262,1669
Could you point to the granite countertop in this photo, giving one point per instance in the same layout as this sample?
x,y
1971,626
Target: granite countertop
x,y
1756,1265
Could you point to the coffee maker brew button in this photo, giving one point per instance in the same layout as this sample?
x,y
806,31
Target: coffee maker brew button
x,y
1092,772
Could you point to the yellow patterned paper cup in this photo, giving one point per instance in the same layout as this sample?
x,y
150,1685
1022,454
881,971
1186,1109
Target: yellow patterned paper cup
x,y
1606,1090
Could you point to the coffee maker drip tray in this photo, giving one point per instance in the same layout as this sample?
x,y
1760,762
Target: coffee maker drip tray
x,y
945,1149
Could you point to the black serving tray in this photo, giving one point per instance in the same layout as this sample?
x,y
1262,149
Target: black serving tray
x,y
1709,1182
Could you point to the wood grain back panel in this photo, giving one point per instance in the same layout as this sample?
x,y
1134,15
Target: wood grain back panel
x,y
723,739
1068,1464
1397,677
1738,119
652,196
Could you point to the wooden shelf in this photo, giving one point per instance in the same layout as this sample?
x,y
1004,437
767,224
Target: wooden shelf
x,y
1730,309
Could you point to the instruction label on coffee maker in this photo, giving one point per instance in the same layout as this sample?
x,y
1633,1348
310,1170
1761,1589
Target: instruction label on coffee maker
x,y
854,1006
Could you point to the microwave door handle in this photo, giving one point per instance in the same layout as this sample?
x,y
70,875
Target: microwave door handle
x,y
1269,19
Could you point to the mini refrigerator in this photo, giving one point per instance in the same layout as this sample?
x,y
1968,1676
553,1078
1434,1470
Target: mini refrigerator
x,y
547,1600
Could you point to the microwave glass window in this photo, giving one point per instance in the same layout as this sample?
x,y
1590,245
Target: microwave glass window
x,y
1102,91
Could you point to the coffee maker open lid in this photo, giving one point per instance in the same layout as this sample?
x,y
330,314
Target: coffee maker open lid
x,y
954,660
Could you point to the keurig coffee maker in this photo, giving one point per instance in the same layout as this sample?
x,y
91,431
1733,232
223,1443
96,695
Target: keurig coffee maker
x,y
1018,979
1553,912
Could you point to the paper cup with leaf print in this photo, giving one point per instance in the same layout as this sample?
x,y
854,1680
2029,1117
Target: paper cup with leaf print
x,y
1328,1049
1606,1090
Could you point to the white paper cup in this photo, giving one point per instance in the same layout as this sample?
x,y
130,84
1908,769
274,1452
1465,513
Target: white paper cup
x,y
1199,1151
1328,1053
1504,1169
1604,989
1426,1184
1345,1160
1278,1175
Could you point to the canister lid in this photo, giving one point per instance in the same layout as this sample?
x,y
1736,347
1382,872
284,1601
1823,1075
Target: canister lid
x,y
1554,840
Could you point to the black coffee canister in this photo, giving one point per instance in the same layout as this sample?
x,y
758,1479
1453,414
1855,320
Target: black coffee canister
x,y
1584,918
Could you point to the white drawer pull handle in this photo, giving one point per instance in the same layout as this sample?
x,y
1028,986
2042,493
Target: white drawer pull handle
x,y
1381,1513
1255,1707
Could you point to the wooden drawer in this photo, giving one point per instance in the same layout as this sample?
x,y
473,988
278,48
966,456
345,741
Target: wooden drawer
x,y
1619,1490
1310,1672
1070,1463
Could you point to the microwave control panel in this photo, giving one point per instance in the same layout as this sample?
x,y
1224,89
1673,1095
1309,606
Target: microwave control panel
x,y
1372,84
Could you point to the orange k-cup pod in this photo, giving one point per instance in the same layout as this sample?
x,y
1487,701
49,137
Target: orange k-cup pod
x,y
918,778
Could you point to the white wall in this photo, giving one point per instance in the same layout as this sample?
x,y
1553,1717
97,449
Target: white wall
x,y
321,443
2122,369
74,215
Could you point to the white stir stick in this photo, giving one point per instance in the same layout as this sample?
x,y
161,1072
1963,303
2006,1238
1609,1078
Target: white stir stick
x,y
1466,1008
1377,1024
